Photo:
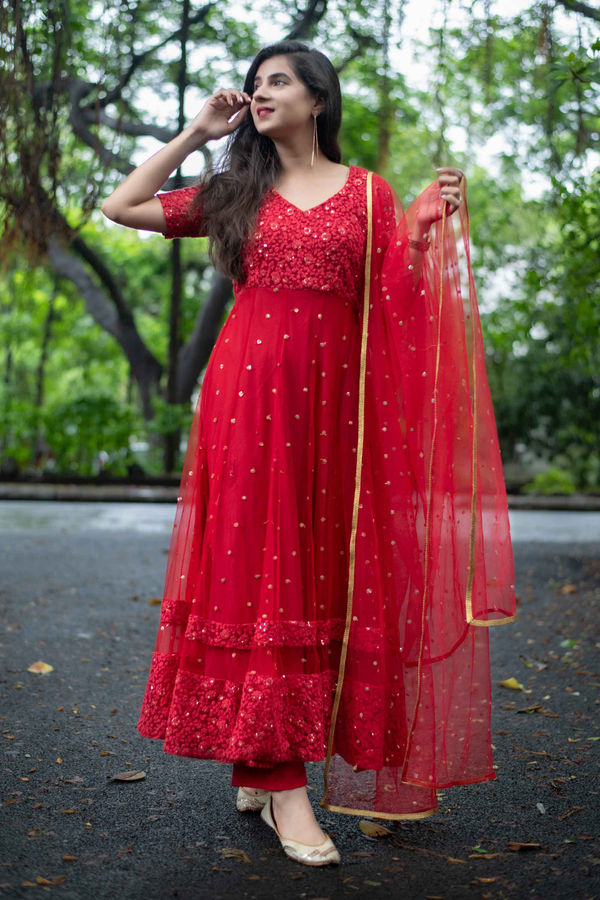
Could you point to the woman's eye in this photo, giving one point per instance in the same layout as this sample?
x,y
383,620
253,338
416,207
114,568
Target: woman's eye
x,y
277,81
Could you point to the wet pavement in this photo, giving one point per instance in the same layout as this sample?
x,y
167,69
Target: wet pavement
x,y
79,588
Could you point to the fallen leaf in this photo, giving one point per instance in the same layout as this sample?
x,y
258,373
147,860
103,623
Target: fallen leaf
x,y
135,775
519,845
571,812
530,709
555,784
154,601
234,853
60,879
68,858
40,668
541,808
373,829
568,589
512,684
67,812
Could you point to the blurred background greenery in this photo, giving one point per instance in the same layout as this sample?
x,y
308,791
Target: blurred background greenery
x,y
105,332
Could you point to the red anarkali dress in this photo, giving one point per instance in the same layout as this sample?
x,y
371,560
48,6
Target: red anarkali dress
x,y
342,526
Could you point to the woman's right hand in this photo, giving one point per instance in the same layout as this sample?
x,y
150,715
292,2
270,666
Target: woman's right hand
x,y
212,122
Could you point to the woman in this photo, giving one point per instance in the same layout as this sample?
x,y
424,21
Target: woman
x,y
342,521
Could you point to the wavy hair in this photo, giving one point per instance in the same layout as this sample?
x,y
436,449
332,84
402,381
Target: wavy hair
x,y
229,198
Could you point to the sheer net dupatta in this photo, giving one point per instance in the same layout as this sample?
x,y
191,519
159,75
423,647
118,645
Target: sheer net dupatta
x,y
430,558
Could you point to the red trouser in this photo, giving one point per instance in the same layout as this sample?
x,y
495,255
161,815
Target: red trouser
x,y
281,777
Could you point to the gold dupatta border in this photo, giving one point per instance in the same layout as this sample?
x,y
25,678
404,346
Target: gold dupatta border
x,y
352,549
359,454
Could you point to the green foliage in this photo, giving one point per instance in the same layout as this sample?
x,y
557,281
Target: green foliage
x,y
170,417
80,428
512,100
552,481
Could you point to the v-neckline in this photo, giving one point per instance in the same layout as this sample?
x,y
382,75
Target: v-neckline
x,y
328,200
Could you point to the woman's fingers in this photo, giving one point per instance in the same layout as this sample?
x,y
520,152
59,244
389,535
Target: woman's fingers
x,y
232,97
451,170
452,196
449,180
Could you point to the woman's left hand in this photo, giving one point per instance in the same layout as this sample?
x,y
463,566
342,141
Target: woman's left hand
x,y
449,180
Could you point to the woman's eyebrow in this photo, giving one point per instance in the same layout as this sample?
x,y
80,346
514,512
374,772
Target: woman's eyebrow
x,y
274,75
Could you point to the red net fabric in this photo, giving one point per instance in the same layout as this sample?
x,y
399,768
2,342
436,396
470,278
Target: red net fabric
x,y
430,557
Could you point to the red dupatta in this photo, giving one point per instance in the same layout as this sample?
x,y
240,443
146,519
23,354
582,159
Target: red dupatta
x,y
430,550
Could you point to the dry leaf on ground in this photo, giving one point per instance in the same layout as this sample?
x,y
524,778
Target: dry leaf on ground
x,y
373,829
234,853
135,775
511,683
519,845
40,668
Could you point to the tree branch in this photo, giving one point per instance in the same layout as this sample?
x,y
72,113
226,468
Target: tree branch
x,y
313,14
194,354
114,318
583,8
138,58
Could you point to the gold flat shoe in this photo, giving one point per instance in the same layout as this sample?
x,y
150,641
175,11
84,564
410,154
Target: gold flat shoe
x,y
308,854
246,802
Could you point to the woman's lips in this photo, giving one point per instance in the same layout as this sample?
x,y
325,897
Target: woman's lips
x,y
264,112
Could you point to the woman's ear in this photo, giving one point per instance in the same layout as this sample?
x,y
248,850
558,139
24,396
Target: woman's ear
x,y
319,105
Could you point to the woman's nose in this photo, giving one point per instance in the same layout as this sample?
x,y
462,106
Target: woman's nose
x,y
260,94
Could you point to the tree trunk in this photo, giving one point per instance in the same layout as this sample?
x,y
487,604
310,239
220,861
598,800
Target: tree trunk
x,y
172,438
385,112
41,369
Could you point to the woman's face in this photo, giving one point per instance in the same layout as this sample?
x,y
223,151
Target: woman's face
x,y
281,102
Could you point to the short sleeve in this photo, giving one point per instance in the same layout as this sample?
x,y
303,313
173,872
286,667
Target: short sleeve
x,y
179,221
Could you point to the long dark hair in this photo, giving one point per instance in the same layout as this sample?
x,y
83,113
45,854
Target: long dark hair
x,y
230,197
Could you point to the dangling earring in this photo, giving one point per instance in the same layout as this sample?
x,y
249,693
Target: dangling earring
x,y
315,142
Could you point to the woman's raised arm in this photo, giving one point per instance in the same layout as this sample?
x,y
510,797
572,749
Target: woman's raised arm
x,y
133,203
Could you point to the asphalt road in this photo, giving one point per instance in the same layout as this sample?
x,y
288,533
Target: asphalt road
x,y
75,590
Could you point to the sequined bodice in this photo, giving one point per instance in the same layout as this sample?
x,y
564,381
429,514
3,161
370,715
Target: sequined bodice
x,y
321,248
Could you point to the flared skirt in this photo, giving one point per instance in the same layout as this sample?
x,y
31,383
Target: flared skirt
x,y
253,613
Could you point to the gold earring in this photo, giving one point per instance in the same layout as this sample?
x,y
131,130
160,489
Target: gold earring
x,y
315,142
